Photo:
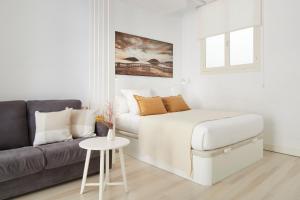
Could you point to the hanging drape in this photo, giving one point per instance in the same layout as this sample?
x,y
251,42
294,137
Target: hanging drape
x,y
100,72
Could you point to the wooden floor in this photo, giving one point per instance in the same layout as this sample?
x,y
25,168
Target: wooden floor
x,y
276,177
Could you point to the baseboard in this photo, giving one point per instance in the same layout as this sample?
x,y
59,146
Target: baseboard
x,y
283,149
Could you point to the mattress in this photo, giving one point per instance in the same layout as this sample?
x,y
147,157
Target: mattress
x,y
208,135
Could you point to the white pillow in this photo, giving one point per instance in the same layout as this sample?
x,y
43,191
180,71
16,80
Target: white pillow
x,y
52,127
83,123
121,105
132,104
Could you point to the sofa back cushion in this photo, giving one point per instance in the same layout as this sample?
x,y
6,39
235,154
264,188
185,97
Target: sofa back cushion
x,y
47,106
13,125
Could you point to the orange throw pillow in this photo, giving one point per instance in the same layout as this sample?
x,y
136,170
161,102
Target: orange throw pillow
x,y
175,103
150,105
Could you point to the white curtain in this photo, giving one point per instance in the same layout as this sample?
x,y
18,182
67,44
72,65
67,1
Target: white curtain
x,y
228,15
100,70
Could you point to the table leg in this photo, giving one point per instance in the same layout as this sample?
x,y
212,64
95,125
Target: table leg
x,y
85,171
107,166
123,169
101,175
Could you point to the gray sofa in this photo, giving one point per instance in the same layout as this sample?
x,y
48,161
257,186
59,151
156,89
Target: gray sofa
x,y
24,168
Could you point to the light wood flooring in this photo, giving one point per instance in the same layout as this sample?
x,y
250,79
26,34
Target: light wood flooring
x,y
276,177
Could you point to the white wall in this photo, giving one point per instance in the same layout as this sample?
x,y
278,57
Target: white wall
x,y
129,18
272,92
44,49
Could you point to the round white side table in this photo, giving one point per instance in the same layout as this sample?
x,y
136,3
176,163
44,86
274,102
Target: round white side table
x,y
103,145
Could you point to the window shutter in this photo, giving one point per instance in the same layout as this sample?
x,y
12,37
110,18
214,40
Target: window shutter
x,y
228,15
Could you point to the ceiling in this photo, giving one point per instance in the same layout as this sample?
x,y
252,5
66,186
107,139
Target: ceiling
x,y
169,6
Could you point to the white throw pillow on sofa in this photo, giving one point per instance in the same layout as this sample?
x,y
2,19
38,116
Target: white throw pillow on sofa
x,y
132,103
83,123
52,127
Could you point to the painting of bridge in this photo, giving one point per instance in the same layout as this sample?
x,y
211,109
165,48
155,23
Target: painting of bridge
x,y
140,56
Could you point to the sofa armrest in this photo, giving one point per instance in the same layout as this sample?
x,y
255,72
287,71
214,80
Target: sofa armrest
x,y
101,129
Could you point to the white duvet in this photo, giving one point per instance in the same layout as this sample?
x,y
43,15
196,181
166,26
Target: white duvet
x,y
208,135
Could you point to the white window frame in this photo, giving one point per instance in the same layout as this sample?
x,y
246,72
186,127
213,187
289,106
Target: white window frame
x,y
227,68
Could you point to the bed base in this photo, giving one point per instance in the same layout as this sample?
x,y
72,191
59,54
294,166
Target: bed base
x,y
209,167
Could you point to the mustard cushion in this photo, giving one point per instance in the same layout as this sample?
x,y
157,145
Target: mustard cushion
x,y
150,105
175,103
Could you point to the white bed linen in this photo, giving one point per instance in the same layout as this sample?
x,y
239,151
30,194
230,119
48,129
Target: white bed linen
x,y
128,122
208,135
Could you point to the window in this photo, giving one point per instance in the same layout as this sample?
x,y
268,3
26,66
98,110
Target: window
x,y
233,51
215,51
241,47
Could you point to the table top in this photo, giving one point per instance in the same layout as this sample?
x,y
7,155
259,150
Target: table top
x,y
101,143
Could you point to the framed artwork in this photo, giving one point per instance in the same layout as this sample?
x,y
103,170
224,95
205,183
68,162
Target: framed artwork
x,y
140,56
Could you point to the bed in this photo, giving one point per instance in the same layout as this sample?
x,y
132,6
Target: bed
x,y
206,136
219,147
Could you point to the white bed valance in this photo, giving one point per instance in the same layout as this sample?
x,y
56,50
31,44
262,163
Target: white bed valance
x,y
228,15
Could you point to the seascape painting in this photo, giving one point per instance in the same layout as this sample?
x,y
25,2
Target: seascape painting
x,y
139,56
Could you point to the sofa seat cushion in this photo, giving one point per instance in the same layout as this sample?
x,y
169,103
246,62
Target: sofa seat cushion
x,y
64,153
20,162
